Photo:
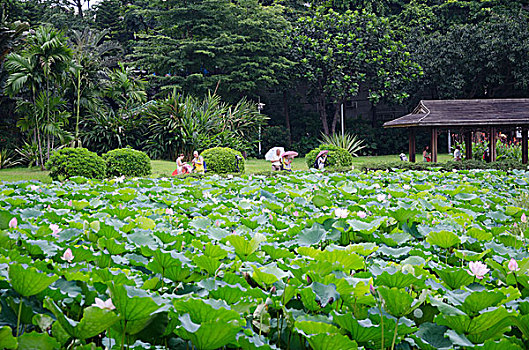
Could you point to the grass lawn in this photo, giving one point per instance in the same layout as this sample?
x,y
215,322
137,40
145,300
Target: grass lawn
x,y
165,168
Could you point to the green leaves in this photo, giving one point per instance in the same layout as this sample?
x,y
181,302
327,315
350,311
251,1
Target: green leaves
x,y
208,324
443,239
27,281
93,322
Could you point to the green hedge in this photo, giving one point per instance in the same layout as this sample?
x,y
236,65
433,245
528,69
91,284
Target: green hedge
x,y
504,165
70,162
221,160
127,162
337,157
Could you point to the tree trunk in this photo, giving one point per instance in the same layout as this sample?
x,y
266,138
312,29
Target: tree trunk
x,y
337,114
39,144
287,117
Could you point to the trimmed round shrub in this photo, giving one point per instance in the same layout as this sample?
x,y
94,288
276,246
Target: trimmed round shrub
x,y
69,162
221,160
337,157
127,162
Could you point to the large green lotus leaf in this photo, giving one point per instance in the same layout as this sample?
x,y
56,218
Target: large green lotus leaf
x,y
361,332
93,322
145,223
364,249
309,328
504,344
479,234
397,279
308,298
215,251
208,335
37,341
332,341
230,294
264,278
210,265
162,260
28,281
205,310
443,239
469,255
478,301
249,223
178,273
134,304
403,215
243,247
365,227
522,322
497,331
347,261
311,236
321,200
254,342
398,302
325,294
7,340
463,324
433,335
277,253
112,246
454,278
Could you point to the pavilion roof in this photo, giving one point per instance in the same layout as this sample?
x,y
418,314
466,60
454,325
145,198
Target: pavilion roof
x,y
451,113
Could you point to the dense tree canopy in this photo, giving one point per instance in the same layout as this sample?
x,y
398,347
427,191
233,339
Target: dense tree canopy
x,y
302,58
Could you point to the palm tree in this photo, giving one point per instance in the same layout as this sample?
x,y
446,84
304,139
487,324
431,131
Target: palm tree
x,y
90,53
40,65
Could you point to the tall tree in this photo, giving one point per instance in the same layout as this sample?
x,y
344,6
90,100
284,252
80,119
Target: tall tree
x,y
40,67
339,53
233,48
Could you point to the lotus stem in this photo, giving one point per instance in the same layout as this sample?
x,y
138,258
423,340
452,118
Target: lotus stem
x,y
18,315
381,325
395,334
123,335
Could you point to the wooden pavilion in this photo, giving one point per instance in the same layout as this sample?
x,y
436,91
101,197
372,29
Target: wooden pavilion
x,y
466,117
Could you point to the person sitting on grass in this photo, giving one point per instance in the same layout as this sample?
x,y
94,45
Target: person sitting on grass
x,y
181,166
457,154
426,156
276,161
320,161
287,163
198,163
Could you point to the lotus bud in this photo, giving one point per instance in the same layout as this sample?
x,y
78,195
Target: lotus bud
x,y
513,265
372,290
273,289
13,223
523,218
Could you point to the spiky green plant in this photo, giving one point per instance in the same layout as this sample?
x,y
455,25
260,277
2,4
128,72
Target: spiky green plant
x,y
349,142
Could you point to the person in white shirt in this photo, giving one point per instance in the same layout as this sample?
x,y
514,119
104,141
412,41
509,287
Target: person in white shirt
x,y
457,154
276,161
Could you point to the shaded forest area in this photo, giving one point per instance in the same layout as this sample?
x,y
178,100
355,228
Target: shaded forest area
x,y
303,59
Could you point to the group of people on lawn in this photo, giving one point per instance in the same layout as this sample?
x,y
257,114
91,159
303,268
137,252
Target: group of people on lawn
x,y
197,165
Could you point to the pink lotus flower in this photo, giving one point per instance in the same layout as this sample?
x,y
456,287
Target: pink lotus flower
x,y
68,255
341,213
296,213
55,229
13,223
48,207
513,265
105,305
372,290
381,197
70,203
478,269
361,214
217,223
523,218
169,211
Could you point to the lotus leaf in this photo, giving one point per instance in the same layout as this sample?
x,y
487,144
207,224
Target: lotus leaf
x,y
27,281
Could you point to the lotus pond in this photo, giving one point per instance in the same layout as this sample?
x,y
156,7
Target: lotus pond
x,y
405,260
